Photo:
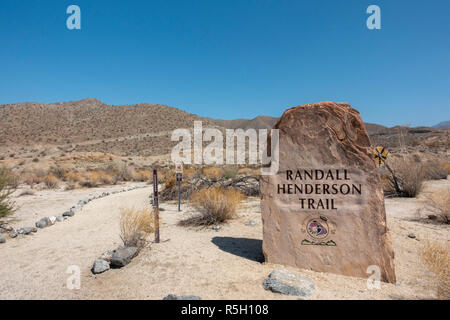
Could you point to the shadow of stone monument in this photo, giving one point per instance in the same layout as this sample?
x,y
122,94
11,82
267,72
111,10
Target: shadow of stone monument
x,y
250,249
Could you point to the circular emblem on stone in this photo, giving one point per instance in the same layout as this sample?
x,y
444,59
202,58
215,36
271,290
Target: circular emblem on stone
x,y
317,229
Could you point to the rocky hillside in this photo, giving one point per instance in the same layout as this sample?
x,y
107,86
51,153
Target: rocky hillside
x,y
90,125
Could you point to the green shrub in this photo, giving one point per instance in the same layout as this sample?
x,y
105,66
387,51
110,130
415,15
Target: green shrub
x,y
6,189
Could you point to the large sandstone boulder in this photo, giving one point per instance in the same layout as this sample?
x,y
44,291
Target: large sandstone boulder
x,y
324,209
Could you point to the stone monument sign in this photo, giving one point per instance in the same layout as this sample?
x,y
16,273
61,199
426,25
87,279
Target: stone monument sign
x,y
324,209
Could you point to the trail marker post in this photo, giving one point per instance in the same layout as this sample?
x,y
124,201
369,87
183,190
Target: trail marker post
x,y
380,155
179,174
156,204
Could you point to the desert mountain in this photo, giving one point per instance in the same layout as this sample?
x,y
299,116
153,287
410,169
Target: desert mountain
x,y
442,125
89,125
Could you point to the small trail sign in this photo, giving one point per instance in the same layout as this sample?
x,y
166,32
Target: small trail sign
x,y
380,155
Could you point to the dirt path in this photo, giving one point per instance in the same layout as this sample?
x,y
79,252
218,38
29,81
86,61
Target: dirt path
x,y
224,264
34,267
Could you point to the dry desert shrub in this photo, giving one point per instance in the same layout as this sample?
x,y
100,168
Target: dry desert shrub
x,y
230,172
7,207
441,202
121,172
144,175
212,173
170,183
437,258
166,175
135,225
446,166
94,179
435,170
189,173
58,172
73,177
91,179
50,181
406,177
216,205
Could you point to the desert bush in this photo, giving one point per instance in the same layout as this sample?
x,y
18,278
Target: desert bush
x,y
440,200
144,175
165,175
73,177
406,177
91,180
7,206
437,258
446,166
212,173
13,179
230,172
170,183
216,205
135,225
189,173
50,181
58,172
435,170
121,172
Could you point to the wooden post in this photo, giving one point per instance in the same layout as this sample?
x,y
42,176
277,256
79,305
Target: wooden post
x,y
156,204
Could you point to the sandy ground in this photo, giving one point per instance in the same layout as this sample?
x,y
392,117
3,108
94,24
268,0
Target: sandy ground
x,y
224,264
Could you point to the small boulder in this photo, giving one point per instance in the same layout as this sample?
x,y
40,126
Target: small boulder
x,y
285,282
100,266
60,218
5,228
69,213
412,235
2,238
27,230
122,256
43,223
76,208
13,234
175,297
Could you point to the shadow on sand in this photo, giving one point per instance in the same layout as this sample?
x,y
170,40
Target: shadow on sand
x,y
246,248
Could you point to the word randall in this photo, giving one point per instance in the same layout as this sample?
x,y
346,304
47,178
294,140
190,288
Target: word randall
x,y
213,153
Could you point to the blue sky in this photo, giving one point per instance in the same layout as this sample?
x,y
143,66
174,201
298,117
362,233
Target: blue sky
x,y
232,59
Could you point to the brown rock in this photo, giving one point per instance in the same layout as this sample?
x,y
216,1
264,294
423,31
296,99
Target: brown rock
x,y
340,225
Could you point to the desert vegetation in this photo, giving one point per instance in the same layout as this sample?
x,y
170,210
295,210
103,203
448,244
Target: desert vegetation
x,y
440,201
216,205
73,178
404,175
437,258
135,225
7,187
244,180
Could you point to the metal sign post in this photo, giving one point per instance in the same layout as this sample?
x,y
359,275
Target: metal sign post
x,y
156,204
179,173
